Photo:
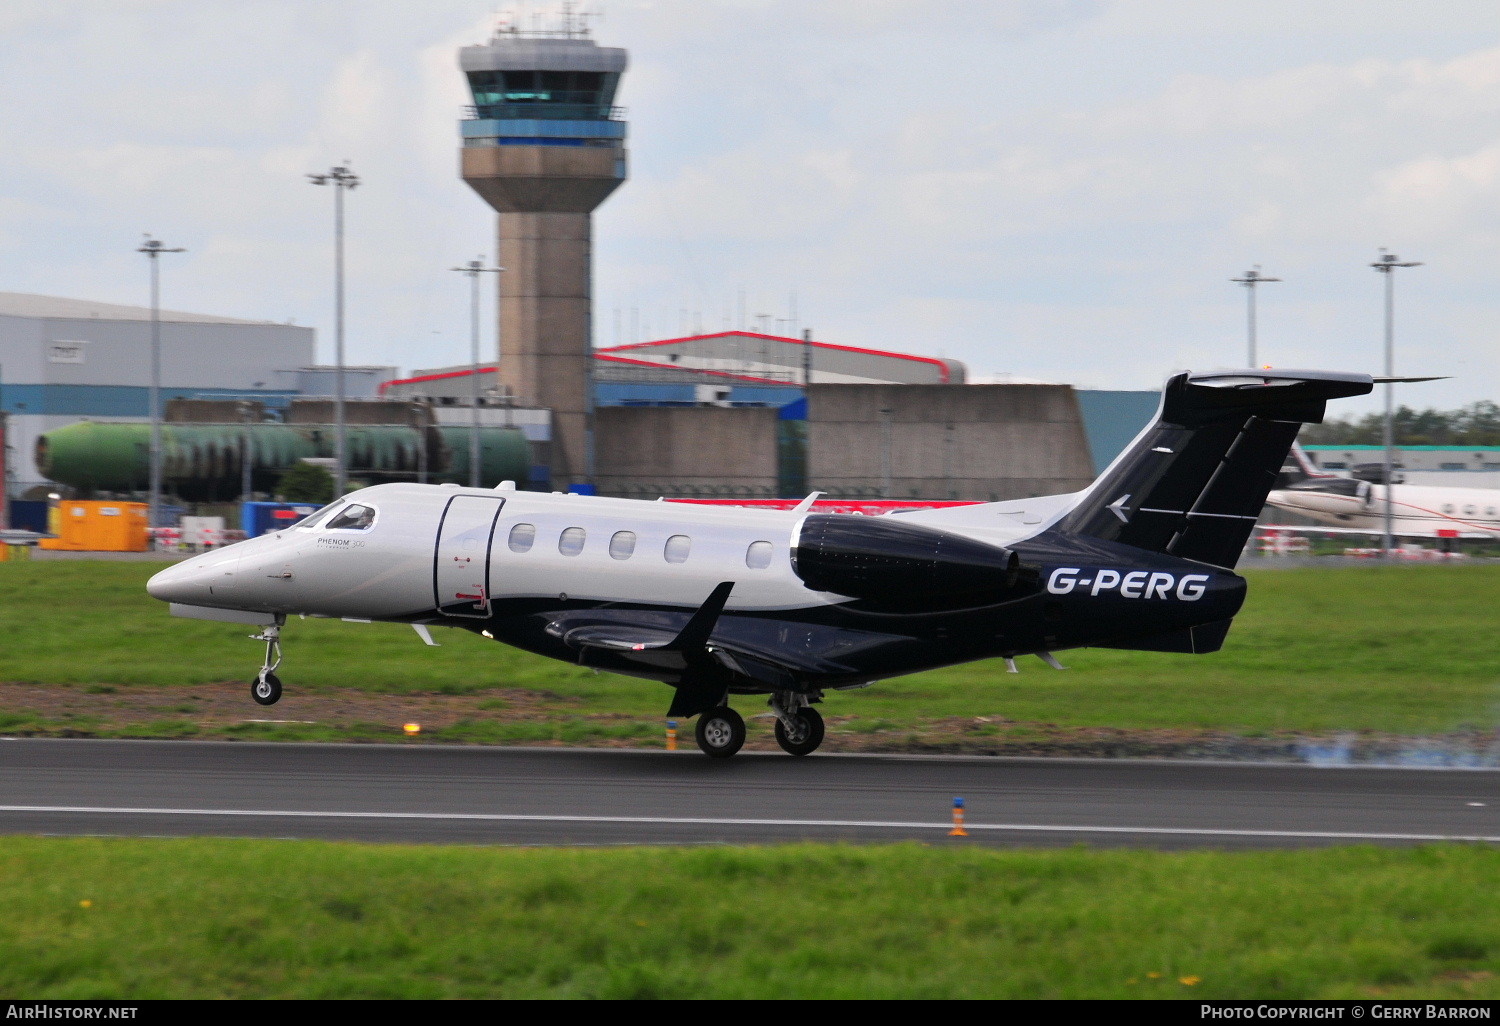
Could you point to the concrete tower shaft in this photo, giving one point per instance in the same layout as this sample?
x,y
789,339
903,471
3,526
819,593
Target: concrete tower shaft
x,y
544,145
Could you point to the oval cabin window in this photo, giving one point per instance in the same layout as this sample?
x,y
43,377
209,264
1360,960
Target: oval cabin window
x,y
521,537
622,545
571,541
758,555
677,548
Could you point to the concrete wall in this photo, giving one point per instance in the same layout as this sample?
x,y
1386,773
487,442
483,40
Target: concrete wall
x,y
986,442
650,451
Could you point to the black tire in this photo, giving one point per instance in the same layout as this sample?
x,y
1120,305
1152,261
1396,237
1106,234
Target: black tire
x,y
266,690
808,738
721,732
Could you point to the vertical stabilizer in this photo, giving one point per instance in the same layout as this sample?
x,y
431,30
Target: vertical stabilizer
x,y
1193,483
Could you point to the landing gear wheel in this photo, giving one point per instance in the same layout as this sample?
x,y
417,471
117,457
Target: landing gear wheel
x,y
266,689
721,732
806,736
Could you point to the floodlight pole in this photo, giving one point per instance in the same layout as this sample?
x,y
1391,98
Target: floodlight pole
x,y
154,248
1252,278
1387,265
473,269
341,178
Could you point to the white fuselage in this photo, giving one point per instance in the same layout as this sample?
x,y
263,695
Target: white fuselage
x,y
433,547
1417,511
427,546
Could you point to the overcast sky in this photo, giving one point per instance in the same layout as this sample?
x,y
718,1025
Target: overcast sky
x,y
1057,189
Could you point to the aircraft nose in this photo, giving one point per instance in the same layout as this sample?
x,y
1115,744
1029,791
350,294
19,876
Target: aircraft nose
x,y
197,581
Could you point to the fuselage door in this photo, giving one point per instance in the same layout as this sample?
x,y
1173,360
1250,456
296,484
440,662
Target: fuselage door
x,y
461,559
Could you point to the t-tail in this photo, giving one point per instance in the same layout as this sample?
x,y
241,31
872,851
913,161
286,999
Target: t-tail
x,y
1193,483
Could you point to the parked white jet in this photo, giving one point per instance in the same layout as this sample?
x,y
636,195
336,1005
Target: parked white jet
x,y
721,601
1352,506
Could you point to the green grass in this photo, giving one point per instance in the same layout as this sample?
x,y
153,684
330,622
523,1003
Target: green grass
x,y
116,918
1404,650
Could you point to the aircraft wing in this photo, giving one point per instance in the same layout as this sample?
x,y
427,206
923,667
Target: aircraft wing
x,y
655,649
660,644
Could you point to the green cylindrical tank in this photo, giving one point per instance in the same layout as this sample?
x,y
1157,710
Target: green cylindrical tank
x,y
504,455
204,460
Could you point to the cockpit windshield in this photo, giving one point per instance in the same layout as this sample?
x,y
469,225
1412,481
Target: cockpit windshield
x,y
317,518
353,517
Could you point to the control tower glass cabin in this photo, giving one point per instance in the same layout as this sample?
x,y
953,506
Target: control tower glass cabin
x,y
544,145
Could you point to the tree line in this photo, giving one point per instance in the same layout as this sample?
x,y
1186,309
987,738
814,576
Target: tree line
x,y
1475,424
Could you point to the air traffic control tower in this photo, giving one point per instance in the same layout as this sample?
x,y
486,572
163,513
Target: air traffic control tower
x,y
544,145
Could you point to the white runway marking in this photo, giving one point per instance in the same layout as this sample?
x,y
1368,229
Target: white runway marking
x,y
487,817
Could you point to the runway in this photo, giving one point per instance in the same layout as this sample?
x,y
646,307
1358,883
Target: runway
x,y
537,796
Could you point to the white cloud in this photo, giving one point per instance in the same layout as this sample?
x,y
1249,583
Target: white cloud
x,y
1063,186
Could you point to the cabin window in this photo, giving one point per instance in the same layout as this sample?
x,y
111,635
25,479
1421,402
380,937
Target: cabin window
x,y
677,548
758,555
1448,509
622,545
570,543
1469,511
317,518
521,537
353,517
1489,511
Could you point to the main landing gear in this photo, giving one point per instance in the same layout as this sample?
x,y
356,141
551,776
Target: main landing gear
x,y
266,687
799,727
721,732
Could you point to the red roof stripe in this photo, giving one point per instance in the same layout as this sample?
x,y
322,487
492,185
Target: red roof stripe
x,y
432,377
942,365
606,354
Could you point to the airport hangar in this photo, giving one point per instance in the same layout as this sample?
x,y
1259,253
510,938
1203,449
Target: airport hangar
x,y
66,360
742,414
711,416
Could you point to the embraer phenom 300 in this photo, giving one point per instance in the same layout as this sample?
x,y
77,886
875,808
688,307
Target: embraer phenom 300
x,y
719,602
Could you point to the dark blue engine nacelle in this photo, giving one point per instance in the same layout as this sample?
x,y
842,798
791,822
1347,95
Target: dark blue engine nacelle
x,y
898,564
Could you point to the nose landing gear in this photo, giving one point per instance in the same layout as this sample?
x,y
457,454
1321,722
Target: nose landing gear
x,y
266,687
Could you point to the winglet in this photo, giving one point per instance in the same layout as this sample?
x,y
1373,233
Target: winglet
x,y
806,504
694,635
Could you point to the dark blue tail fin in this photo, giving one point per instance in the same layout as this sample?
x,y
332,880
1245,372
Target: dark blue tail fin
x,y
1193,483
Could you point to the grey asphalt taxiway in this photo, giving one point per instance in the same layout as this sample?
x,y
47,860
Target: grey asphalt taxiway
x,y
432,794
